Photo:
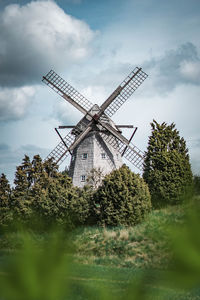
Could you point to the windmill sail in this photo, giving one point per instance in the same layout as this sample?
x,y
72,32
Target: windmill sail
x,y
132,153
125,90
64,89
60,152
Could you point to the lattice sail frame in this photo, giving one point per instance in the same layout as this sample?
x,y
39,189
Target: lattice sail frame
x,y
60,152
60,86
132,153
128,88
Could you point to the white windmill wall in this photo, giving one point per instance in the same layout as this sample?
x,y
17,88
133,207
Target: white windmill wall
x,y
99,155
79,166
112,159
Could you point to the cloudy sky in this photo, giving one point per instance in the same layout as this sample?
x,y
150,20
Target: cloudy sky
x,y
94,45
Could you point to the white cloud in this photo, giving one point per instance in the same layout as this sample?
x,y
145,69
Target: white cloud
x,y
36,37
14,102
175,67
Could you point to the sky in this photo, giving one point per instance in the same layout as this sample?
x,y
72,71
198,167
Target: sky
x,y
94,45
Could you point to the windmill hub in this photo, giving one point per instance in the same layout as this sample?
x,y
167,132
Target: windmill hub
x,y
96,142
96,118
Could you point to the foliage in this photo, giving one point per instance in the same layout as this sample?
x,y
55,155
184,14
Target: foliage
x,y
167,169
5,200
58,201
82,208
122,199
42,194
196,181
21,196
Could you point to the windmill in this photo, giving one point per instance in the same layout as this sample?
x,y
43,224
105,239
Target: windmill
x,y
95,142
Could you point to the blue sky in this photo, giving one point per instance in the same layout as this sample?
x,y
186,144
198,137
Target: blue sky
x,y
94,45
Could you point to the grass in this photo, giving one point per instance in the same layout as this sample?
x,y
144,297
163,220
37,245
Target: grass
x,y
142,246
105,263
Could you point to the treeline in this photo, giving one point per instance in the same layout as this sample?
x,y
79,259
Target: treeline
x,y
42,193
123,198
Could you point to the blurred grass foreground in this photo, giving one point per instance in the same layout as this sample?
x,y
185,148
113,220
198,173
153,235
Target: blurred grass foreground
x,y
157,259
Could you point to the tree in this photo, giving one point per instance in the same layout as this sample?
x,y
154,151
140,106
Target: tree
x,y
167,169
123,198
196,181
5,205
94,178
21,196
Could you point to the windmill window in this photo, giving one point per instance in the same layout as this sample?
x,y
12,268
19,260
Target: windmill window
x,y
83,178
103,155
84,156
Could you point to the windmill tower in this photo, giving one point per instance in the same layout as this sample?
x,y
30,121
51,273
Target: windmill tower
x,y
96,142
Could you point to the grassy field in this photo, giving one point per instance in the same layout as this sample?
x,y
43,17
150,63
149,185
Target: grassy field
x,y
141,246
105,263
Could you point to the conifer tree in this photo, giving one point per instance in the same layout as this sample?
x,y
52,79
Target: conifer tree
x,y
167,169
37,170
196,181
21,196
43,175
51,168
5,205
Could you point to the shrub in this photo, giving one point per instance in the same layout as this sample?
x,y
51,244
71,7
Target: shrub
x,y
122,199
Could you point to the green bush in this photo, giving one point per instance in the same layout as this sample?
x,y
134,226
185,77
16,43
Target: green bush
x,y
122,199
